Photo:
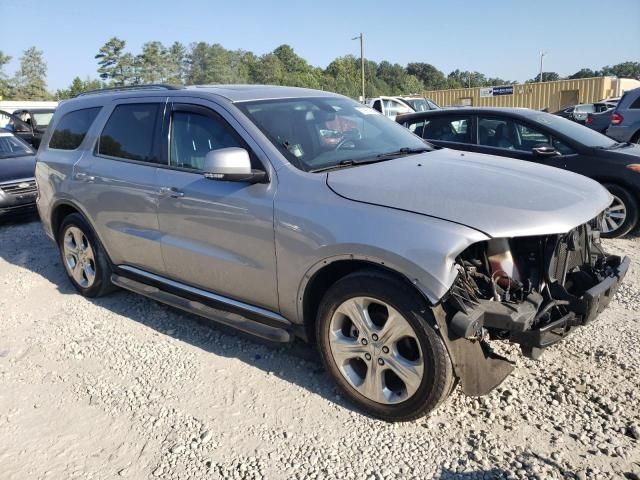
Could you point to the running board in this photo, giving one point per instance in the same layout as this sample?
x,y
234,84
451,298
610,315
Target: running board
x,y
230,319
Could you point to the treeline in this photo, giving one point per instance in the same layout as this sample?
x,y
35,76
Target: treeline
x,y
204,63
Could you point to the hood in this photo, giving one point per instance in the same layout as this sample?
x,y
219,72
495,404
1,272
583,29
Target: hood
x,y
16,168
498,196
625,155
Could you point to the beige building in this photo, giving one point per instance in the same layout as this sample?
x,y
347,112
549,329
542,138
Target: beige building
x,y
552,96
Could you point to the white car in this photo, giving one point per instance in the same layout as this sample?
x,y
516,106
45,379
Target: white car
x,y
394,106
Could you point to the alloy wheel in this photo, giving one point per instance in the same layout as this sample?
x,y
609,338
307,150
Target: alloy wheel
x,y
79,259
376,350
614,216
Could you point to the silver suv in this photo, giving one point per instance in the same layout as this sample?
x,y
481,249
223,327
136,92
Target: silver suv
x,y
301,213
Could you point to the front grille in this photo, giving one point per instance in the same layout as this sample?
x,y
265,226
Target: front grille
x,y
19,188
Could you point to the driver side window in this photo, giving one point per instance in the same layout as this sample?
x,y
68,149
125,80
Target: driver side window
x,y
193,135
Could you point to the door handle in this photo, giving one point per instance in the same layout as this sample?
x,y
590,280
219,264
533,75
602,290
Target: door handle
x,y
83,177
171,192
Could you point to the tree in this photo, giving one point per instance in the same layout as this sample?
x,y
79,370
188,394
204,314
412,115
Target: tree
x,y
114,66
546,77
77,87
343,76
30,80
152,63
584,73
5,87
176,63
432,78
623,70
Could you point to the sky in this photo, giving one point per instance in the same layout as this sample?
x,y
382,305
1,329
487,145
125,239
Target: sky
x,y
498,38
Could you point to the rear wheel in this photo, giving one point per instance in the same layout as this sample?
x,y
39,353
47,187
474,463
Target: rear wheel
x,y
622,215
83,257
377,341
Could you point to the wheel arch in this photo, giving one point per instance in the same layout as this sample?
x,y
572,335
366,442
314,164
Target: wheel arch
x,y
327,272
64,207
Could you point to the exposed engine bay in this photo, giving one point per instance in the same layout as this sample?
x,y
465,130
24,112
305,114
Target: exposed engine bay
x,y
532,290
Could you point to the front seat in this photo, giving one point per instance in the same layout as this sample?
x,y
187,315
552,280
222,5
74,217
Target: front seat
x,y
501,138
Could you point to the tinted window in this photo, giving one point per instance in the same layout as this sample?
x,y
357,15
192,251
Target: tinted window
x,y
193,135
11,146
130,132
416,126
449,129
509,134
572,130
635,103
72,128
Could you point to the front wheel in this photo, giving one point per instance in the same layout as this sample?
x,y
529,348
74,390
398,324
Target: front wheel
x,y
378,342
622,215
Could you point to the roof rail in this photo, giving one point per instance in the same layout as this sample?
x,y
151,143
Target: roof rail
x,y
149,86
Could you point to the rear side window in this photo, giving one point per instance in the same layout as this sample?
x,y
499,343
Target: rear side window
x,y
448,129
72,128
635,103
131,131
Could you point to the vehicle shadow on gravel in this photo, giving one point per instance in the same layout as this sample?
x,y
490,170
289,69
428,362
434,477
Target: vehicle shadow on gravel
x,y
297,362
23,243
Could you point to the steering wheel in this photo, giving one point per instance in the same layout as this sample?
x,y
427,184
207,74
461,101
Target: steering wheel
x,y
344,142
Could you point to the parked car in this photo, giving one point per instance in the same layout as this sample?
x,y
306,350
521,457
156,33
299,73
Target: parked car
x,y
625,120
392,106
599,121
28,124
397,260
579,113
546,139
17,183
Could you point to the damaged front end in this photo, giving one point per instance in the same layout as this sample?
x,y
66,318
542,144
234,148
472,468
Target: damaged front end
x,y
531,291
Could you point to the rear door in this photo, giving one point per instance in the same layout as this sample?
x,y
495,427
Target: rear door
x,y
450,131
216,235
116,182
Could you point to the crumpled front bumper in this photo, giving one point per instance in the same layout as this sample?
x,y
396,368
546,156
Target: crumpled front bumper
x,y
584,311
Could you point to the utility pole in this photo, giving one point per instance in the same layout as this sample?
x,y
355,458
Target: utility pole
x,y
542,54
361,38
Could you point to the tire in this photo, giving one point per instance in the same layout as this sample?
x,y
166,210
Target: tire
x,y
624,203
417,345
75,231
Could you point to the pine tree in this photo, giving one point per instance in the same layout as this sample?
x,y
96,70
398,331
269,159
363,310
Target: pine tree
x,y
31,78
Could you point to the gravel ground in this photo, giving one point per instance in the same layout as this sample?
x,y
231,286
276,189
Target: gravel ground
x,y
125,387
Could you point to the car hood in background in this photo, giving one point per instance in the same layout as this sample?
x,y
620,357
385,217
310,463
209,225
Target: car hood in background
x,y
498,196
17,168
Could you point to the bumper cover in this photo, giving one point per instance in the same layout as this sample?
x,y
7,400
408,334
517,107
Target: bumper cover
x,y
585,310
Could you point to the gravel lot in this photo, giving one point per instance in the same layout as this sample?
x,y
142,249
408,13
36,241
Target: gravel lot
x,y
125,387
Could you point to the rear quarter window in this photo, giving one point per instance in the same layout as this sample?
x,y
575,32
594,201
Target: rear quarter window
x,y
72,128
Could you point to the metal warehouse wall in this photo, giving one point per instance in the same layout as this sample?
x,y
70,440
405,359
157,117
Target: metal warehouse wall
x,y
550,95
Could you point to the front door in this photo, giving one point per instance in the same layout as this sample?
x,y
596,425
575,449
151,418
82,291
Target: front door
x,y
216,235
508,137
117,183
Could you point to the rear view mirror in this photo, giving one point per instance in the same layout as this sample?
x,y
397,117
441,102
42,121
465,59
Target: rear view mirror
x,y
544,150
232,165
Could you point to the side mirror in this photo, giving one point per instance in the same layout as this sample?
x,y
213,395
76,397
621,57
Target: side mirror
x,y
544,150
232,165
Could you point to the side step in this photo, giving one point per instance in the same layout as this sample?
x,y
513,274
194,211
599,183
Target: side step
x,y
233,320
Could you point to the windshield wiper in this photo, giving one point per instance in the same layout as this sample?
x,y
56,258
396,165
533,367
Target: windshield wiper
x,y
378,158
402,152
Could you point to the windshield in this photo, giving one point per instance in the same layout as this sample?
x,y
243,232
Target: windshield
x,y
42,118
11,146
573,130
317,133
